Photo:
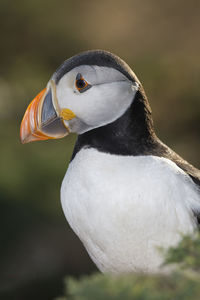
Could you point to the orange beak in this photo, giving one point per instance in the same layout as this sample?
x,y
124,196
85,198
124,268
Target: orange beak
x,y
41,120
29,131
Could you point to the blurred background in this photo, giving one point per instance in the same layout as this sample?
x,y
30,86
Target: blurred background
x,y
159,39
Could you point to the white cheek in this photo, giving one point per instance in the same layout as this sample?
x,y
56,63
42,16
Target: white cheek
x,y
69,97
99,105
105,103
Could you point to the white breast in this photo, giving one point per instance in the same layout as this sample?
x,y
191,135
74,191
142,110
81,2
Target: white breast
x,y
124,207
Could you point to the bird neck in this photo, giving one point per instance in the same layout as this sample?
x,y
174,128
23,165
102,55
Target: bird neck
x,y
131,134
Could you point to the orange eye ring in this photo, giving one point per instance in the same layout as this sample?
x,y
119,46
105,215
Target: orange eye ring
x,y
81,84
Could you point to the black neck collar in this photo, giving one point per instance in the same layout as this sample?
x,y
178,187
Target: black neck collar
x,y
131,134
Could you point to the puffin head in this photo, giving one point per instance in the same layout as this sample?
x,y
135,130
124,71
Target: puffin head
x,y
89,90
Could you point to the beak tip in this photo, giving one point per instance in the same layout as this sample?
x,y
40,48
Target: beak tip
x,y
26,136
31,138
23,141
23,134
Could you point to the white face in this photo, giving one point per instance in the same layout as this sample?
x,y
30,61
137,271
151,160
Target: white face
x,y
109,96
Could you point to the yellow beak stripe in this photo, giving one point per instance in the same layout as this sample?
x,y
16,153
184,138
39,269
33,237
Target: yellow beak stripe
x,y
67,114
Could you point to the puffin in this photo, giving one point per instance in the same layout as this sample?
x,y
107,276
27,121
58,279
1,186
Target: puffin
x,y
125,194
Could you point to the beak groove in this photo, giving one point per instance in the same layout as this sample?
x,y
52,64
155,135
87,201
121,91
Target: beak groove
x,y
42,119
29,131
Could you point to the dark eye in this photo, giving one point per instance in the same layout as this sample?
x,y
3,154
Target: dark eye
x,y
81,83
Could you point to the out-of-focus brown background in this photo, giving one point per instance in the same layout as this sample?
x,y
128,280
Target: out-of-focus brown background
x,y
159,39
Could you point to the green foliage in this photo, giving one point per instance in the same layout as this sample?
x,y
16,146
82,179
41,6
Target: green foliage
x,y
180,284
187,254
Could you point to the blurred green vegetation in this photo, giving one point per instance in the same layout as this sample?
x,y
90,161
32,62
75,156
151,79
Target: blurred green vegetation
x,y
158,39
187,254
177,285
